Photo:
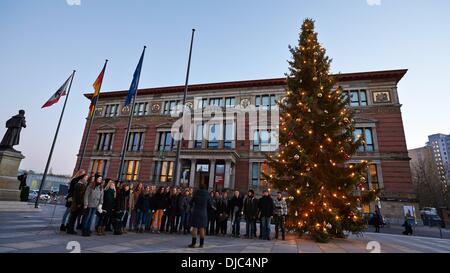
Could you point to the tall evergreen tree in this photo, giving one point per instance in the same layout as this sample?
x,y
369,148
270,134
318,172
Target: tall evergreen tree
x,y
316,143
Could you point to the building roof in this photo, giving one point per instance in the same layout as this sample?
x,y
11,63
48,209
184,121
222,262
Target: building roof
x,y
397,75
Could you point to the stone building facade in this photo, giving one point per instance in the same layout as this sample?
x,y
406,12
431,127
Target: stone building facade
x,y
231,163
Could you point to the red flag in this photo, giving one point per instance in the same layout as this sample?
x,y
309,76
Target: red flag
x,y
62,91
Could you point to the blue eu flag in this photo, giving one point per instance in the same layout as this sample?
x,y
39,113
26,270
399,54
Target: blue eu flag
x,y
135,82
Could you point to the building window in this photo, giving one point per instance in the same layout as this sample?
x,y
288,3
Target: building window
x,y
163,171
135,141
357,97
170,107
166,142
111,110
213,136
265,140
366,133
216,102
198,136
230,102
373,172
131,170
140,108
228,134
99,166
104,142
201,104
265,101
258,169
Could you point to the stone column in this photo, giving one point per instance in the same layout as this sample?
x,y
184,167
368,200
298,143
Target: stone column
x,y
9,185
227,177
192,173
212,166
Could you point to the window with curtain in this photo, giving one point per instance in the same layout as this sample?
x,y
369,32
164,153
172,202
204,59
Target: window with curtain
x,y
99,166
374,181
131,170
163,171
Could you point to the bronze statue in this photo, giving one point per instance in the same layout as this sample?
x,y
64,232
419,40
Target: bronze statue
x,y
12,135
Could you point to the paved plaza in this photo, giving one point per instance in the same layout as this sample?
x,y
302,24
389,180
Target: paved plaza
x,y
38,232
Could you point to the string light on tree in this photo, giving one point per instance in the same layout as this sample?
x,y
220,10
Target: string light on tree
x,y
317,173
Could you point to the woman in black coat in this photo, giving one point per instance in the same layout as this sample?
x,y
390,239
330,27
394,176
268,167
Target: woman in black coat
x,y
199,204
77,177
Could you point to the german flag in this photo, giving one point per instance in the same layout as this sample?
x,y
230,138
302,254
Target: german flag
x,y
97,86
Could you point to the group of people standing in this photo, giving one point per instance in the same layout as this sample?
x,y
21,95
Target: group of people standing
x,y
122,207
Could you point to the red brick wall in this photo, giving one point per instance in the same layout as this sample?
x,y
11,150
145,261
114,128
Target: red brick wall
x,y
392,148
241,175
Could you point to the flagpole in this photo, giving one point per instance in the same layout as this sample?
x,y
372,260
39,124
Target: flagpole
x,y
130,118
177,158
36,205
91,120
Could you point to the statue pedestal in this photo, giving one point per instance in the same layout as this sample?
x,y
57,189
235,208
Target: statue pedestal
x,y
9,185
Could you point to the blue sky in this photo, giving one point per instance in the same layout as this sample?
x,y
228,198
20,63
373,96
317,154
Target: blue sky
x,y
41,42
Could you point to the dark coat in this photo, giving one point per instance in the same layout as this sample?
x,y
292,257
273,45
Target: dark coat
x,y
78,196
122,200
183,203
109,197
212,207
23,181
165,200
158,201
222,209
173,205
199,204
235,206
72,184
151,202
265,206
251,208
143,203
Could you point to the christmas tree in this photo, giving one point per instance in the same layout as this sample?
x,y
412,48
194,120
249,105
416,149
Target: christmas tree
x,y
316,143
